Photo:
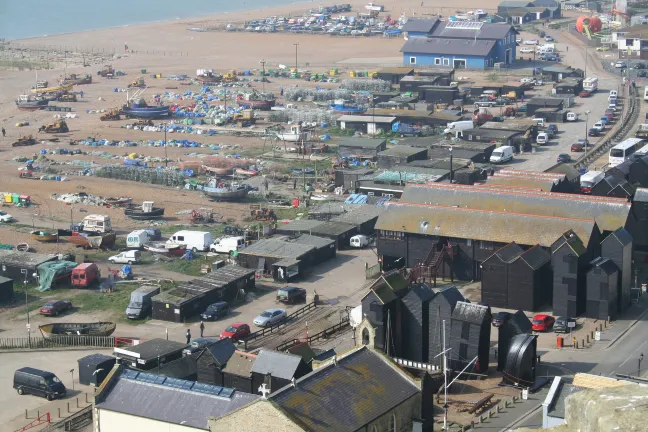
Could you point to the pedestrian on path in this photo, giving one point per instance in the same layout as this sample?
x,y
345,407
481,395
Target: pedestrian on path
x,y
4,132
188,336
202,328
567,48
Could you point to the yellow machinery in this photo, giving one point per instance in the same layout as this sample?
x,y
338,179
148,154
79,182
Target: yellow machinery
x,y
244,118
139,82
230,76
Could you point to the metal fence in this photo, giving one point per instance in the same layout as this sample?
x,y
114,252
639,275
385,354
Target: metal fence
x,y
344,322
372,272
75,422
275,328
57,342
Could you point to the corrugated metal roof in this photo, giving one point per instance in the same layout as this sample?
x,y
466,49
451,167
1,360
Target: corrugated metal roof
x,y
170,405
312,240
346,396
333,228
441,46
402,151
487,31
277,364
419,25
366,119
535,257
277,248
609,214
471,312
480,224
240,364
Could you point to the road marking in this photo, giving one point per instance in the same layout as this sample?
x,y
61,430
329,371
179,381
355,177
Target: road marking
x,y
632,355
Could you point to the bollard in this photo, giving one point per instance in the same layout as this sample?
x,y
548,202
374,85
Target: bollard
x,y
606,323
472,424
86,397
592,334
600,327
26,413
37,413
506,404
77,399
583,343
587,337
576,345
490,414
515,398
499,408
59,410
68,404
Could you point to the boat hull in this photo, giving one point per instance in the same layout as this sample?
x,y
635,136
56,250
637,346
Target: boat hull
x,y
218,171
93,242
164,249
147,113
138,214
66,87
51,331
44,236
118,201
219,194
261,105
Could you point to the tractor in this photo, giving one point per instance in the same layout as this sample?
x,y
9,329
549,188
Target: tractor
x,y
59,126
244,118
67,97
113,114
107,72
139,82
262,214
24,141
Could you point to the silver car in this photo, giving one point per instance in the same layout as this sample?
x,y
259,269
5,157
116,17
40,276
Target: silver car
x,y
270,317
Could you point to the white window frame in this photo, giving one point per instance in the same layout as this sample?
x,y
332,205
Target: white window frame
x,y
437,61
446,62
464,60
412,60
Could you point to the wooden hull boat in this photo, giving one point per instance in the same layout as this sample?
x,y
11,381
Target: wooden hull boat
x,y
114,202
50,331
223,193
88,241
61,88
44,236
139,214
163,248
218,171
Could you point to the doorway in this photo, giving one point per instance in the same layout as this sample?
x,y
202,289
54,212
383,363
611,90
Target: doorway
x,y
459,64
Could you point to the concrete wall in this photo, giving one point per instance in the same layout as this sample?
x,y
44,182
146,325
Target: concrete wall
x,y
111,421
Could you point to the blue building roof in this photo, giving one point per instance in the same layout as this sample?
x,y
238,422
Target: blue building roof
x,y
468,47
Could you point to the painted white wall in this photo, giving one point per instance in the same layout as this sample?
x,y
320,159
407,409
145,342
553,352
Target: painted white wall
x,y
111,421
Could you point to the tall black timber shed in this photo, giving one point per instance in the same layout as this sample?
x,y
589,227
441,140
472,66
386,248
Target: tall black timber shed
x,y
618,248
94,368
569,260
517,324
495,275
441,307
470,336
6,289
638,174
416,323
639,231
602,281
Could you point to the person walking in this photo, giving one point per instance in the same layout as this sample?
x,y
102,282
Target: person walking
x,y
4,132
202,328
188,336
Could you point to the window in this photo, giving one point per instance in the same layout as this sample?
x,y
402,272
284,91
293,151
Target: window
x,y
392,423
437,61
412,60
485,245
394,235
465,330
446,62
365,341
469,242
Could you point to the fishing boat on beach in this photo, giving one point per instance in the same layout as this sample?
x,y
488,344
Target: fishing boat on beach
x,y
145,212
219,191
341,107
118,202
55,89
50,331
75,79
136,107
166,249
31,103
207,76
218,171
257,101
44,236
93,240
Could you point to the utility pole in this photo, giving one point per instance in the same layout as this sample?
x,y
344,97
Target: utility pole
x,y
263,63
166,158
639,368
586,130
445,382
296,45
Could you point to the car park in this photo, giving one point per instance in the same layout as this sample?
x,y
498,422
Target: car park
x,y
542,322
197,344
5,217
594,132
215,311
563,158
599,126
500,318
291,295
562,325
38,383
236,331
270,317
55,307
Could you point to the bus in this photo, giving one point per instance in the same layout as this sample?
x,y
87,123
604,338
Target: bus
x,y
624,150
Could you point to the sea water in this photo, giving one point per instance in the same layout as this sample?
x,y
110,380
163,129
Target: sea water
x,y
33,18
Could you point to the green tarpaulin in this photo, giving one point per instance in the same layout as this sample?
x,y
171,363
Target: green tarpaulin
x,y
49,271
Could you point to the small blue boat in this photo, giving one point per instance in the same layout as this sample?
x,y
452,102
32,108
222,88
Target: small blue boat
x,y
142,110
343,108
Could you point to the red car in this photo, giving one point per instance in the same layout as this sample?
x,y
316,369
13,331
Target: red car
x,y
584,94
542,322
55,307
236,331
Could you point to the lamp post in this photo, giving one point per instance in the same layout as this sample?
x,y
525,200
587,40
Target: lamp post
x,y
72,372
166,158
296,45
263,63
586,120
28,325
451,171
639,367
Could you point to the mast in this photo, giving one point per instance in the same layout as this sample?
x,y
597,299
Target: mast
x,y
445,382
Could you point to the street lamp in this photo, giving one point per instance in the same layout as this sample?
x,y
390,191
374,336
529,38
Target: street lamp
x,y
451,171
586,120
263,63
166,158
639,368
296,45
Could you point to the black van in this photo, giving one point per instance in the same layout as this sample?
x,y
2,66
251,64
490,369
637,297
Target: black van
x,y
37,382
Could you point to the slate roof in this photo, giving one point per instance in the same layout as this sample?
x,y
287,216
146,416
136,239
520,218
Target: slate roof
x,y
574,242
622,236
278,364
360,214
346,396
168,404
484,225
451,294
472,47
487,31
221,350
509,252
361,142
471,313
641,195
535,257
152,348
240,364
276,248
609,213
422,291
419,25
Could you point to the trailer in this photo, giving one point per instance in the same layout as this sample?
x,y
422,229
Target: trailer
x,y
405,129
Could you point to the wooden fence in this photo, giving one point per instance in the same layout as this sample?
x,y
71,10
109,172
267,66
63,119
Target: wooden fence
x,y
38,342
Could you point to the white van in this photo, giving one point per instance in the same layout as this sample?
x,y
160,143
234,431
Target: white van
x,y
457,127
126,257
539,121
359,241
228,245
502,154
590,179
542,138
137,239
613,93
194,240
97,223
572,116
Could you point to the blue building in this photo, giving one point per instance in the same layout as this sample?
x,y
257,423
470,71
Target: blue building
x,y
419,27
462,44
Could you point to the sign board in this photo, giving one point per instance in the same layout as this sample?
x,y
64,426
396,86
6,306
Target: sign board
x,y
597,336
28,326
571,324
525,394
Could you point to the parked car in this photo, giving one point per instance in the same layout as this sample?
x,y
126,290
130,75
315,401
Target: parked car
x,y
605,120
579,146
39,383
620,65
542,138
548,38
553,129
5,217
526,50
642,74
609,113
584,94
270,317
197,344
562,324
594,132
563,158
598,125
639,66
236,331
126,257
215,311
55,307
501,101
500,318
527,80
542,322
291,295
530,42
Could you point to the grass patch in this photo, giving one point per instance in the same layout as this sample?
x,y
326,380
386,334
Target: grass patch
x,y
290,213
188,267
216,229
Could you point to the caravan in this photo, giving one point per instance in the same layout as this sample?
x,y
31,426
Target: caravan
x,y
97,223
